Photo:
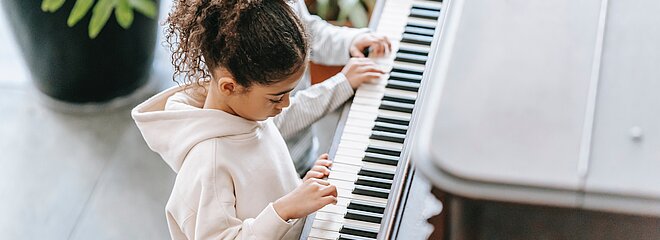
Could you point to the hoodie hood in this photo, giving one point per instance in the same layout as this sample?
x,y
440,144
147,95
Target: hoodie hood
x,y
174,121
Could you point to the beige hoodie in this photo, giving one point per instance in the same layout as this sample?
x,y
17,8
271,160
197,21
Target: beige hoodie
x,y
229,169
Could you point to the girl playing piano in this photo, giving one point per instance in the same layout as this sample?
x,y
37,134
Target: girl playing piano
x,y
235,179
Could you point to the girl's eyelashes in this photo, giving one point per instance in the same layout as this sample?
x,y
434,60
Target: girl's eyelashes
x,y
277,100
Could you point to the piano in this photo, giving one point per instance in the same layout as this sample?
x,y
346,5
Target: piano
x,y
542,120
372,144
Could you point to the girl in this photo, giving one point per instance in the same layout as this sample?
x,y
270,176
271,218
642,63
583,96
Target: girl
x,y
235,178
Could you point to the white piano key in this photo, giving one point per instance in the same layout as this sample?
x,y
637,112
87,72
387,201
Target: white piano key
x,y
323,234
414,66
356,161
329,216
400,92
380,167
397,146
422,21
347,168
368,95
359,128
331,208
350,152
342,201
361,224
343,176
434,4
418,47
366,198
313,238
342,184
406,116
327,225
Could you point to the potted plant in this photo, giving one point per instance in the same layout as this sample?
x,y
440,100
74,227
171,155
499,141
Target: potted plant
x,y
78,59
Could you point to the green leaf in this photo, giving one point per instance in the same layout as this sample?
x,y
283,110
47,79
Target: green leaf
x,y
323,8
359,16
345,8
79,11
100,15
124,14
146,7
51,5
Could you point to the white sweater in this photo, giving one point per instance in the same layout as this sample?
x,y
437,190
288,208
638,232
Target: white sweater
x,y
229,169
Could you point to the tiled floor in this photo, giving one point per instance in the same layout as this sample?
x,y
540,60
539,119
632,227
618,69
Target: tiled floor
x,y
83,176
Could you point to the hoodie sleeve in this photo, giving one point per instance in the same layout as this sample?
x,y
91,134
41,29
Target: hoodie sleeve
x,y
330,44
310,104
215,216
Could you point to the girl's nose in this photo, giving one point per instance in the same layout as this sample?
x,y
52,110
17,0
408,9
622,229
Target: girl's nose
x,y
285,102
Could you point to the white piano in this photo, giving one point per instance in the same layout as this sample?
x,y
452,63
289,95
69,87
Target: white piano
x,y
542,120
373,141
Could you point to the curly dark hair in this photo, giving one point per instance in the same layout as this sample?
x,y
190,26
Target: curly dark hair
x,y
257,41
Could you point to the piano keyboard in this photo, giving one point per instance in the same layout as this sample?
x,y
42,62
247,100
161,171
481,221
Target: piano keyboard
x,y
366,160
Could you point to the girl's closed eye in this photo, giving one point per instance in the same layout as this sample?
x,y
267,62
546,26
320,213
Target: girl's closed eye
x,y
277,100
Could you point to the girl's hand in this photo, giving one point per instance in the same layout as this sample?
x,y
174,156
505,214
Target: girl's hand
x,y
361,70
320,168
378,44
307,198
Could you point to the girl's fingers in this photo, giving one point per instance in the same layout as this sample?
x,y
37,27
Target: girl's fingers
x,y
321,169
324,156
314,174
330,190
320,181
326,163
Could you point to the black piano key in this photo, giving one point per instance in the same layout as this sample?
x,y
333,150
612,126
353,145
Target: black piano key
x,y
388,127
344,236
358,231
402,85
427,7
393,120
381,159
366,206
424,13
383,150
405,77
376,173
404,69
363,216
411,58
419,31
416,39
426,25
395,106
416,51
374,182
385,136
398,98
371,191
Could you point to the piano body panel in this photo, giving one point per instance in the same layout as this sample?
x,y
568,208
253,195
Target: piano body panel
x,y
542,120
624,170
483,132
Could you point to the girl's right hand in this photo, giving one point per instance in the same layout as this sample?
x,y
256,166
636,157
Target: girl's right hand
x,y
307,198
361,70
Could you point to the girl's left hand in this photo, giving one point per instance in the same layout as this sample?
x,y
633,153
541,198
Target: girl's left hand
x,y
378,44
320,168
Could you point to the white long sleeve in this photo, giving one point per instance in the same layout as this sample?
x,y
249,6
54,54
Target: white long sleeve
x,y
310,104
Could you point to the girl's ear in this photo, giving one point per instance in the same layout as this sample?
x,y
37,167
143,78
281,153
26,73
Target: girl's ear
x,y
227,86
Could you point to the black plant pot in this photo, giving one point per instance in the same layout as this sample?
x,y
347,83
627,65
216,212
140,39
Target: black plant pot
x,y
68,66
